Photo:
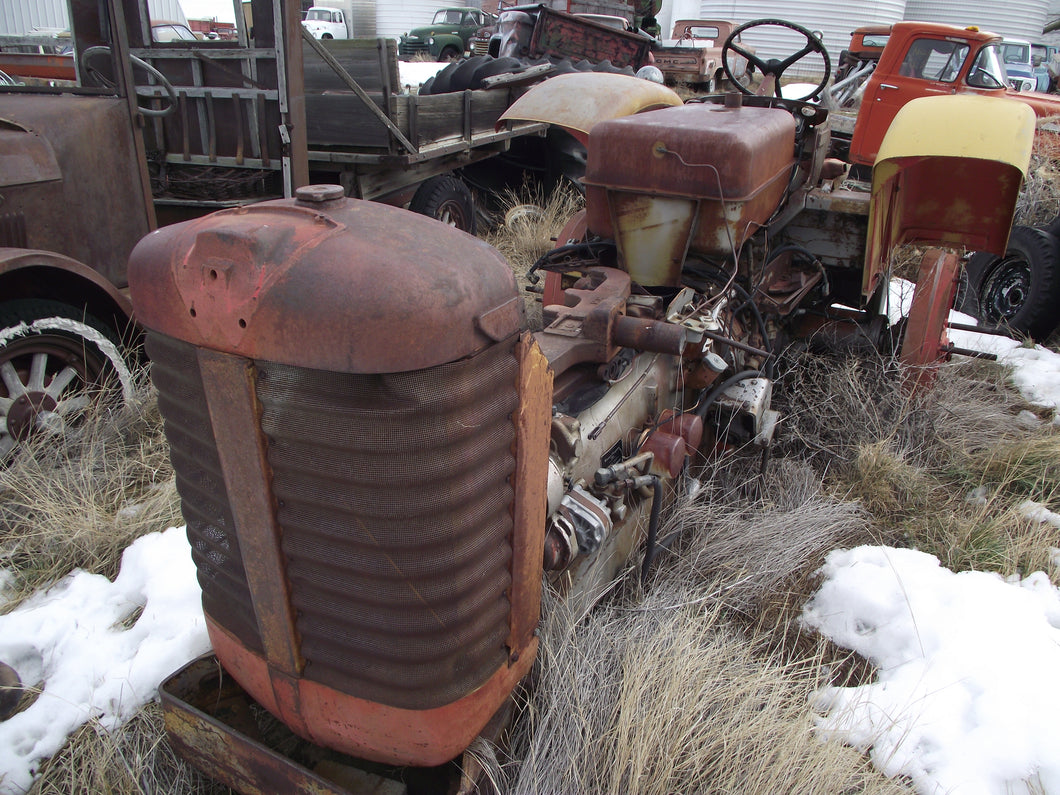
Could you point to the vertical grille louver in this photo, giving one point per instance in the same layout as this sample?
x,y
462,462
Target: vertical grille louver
x,y
200,483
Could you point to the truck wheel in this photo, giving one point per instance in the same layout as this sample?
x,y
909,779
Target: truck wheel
x,y
445,198
449,53
326,36
54,360
1021,290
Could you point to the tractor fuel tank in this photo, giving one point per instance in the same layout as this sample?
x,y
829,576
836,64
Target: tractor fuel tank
x,y
699,178
358,424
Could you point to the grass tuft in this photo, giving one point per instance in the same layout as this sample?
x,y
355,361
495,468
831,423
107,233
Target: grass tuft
x,y
134,759
76,501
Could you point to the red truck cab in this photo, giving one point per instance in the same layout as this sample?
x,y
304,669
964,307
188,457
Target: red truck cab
x,y
925,59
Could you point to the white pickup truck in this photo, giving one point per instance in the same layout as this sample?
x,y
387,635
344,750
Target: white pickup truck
x,y
330,20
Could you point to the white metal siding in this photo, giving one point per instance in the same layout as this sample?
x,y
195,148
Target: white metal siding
x,y
833,19
394,17
18,17
1017,19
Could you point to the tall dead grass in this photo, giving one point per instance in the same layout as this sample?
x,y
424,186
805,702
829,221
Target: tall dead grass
x,y
661,691
135,759
77,500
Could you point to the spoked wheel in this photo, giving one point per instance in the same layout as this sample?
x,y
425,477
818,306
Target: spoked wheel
x,y
447,199
54,361
925,343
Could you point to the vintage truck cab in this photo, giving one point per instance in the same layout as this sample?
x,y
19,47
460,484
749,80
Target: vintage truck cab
x,y
924,59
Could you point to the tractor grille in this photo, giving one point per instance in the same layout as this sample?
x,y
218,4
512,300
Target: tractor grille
x,y
394,504
393,497
200,483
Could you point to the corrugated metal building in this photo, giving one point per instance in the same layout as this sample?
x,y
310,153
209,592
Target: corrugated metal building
x,y
1021,19
1017,19
19,17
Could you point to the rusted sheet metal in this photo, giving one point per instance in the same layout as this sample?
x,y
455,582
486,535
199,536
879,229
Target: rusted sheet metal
x,y
112,213
283,280
421,737
576,102
228,382
108,300
933,188
533,423
560,34
26,158
210,724
39,65
925,342
700,178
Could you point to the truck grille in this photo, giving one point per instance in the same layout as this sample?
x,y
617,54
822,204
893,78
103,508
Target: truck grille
x,y
408,49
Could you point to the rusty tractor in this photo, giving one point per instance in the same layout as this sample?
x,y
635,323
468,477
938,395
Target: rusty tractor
x,y
379,463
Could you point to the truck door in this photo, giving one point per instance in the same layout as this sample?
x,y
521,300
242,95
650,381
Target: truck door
x,y
929,67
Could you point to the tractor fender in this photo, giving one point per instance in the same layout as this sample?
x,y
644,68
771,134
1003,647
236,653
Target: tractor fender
x,y
948,173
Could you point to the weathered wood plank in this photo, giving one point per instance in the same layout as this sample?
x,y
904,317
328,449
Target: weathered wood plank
x,y
362,58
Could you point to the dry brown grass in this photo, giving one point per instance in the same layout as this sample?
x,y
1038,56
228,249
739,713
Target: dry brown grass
x,y
532,225
77,501
660,690
132,760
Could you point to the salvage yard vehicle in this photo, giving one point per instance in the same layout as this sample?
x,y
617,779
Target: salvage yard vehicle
x,y
330,21
538,31
447,37
693,54
378,462
152,133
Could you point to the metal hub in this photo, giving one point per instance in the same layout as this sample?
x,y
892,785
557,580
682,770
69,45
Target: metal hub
x,y
1008,288
43,379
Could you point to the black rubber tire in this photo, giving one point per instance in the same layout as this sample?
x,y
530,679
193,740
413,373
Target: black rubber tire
x,y
447,199
449,53
1020,291
471,72
70,346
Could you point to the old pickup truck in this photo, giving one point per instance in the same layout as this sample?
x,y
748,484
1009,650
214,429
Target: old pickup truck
x,y
693,54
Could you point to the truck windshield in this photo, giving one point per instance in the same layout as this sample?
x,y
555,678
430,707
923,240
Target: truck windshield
x,y
319,14
448,16
988,71
1015,53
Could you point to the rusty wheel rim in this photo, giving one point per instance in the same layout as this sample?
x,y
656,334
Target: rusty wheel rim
x,y
45,381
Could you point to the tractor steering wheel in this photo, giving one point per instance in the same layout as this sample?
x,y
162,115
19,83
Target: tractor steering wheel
x,y
104,79
774,66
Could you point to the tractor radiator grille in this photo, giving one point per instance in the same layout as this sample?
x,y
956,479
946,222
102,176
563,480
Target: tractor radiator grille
x,y
393,498
200,483
394,503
